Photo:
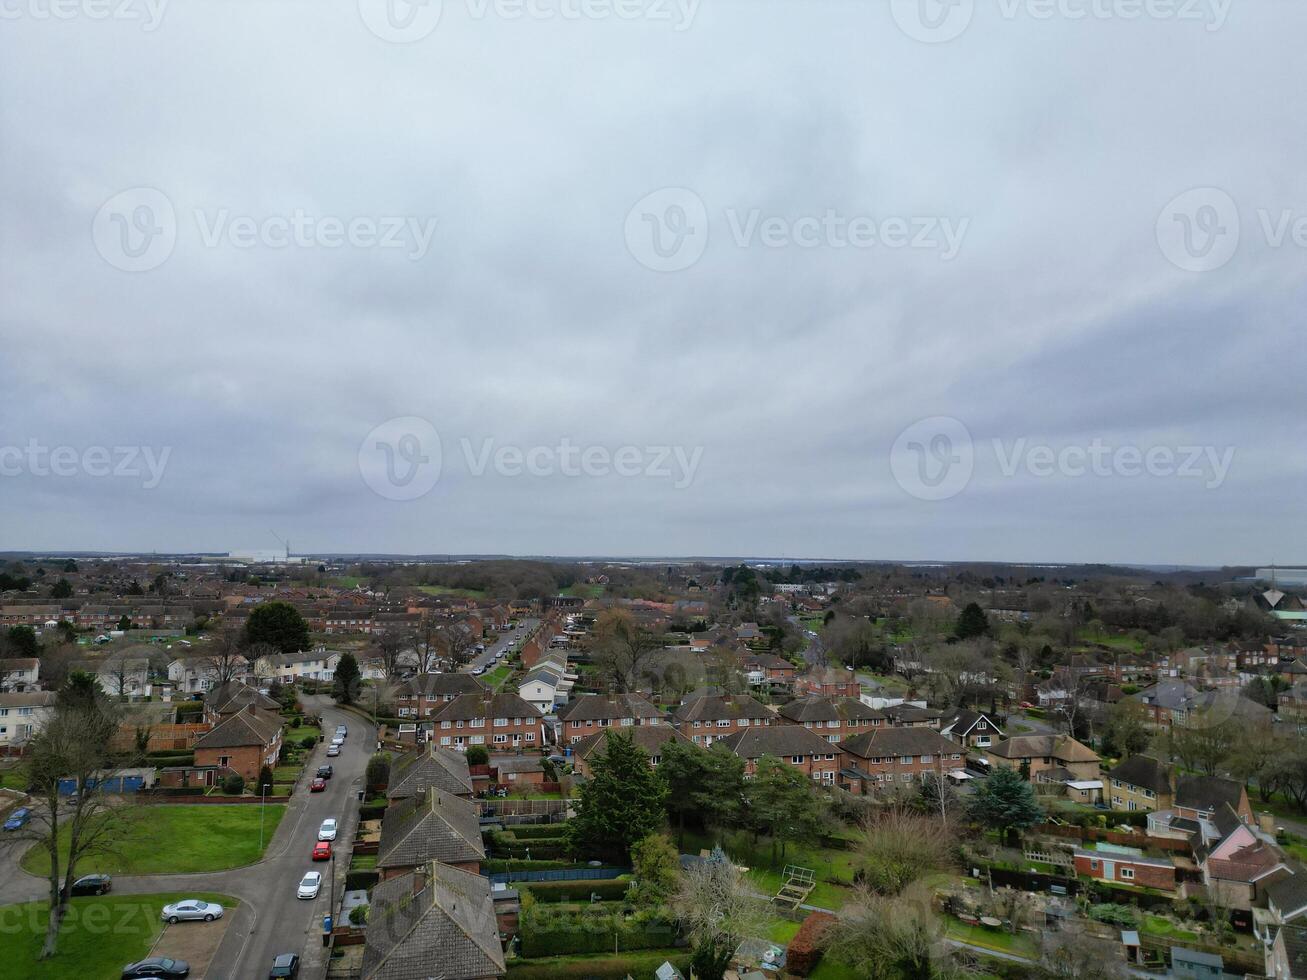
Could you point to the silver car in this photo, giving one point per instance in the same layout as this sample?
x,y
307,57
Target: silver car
x,y
191,909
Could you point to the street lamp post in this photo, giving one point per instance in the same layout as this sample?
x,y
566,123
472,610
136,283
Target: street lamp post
x,y
263,807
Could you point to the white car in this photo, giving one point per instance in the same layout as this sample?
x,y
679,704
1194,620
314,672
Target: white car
x,y
328,829
191,909
310,884
337,741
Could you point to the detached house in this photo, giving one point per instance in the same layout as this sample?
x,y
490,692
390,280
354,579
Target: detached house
x,y
970,729
242,743
1243,864
19,674
432,827
434,921
501,722
22,715
1050,758
224,701
653,739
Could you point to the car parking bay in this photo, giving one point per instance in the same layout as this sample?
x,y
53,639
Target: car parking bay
x,y
194,942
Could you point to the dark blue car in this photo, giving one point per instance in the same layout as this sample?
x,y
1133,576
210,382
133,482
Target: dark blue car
x,y
18,818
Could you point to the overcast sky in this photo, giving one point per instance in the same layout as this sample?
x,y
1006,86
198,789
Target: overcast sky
x,y
821,279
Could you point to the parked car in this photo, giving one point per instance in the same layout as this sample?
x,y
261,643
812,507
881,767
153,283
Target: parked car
x,y
191,909
156,966
342,730
322,851
324,772
310,884
18,819
92,885
478,671
317,786
328,829
333,750
285,965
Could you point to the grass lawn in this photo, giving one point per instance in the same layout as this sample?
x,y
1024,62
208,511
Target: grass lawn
x,y
286,774
98,937
1155,925
998,939
363,862
496,677
166,838
582,591
446,590
640,963
828,969
295,734
13,779
781,931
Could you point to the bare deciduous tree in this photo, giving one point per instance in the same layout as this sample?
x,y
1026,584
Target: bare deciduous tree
x,y
717,910
226,659
623,649
885,937
1072,954
899,847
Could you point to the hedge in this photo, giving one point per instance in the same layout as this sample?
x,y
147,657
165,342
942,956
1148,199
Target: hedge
x,y
804,951
549,932
608,967
372,811
189,708
532,831
496,866
163,760
608,889
361,880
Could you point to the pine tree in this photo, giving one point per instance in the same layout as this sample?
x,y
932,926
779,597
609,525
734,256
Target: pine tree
x,y
1005,802
622,802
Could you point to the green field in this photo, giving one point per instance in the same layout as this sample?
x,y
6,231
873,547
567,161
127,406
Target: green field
x,y
163,838
98,937
13,779
582,591
446,590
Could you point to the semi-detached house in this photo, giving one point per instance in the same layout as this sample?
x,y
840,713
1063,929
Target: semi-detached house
x,y
500,722
704,720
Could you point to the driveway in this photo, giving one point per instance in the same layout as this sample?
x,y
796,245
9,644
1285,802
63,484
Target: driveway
x,y
270,919
194,942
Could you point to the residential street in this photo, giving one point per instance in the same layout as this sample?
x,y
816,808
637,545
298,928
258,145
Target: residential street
x,y
270,919
510,639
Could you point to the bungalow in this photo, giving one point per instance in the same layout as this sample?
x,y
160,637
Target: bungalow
x,y
652,739
705,719
808,752
1140,783
434,826
242,743
1126,866
497,721
22,715
430,766
970,729
435,920
886,756
832,718
909,715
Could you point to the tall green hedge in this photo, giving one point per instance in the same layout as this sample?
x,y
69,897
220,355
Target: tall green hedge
x,y
608,890
557,932
608,967
532,831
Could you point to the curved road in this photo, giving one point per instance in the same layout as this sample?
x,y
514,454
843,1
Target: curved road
x,y
270,919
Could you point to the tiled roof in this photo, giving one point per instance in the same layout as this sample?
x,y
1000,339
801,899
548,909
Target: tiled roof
x,y
1063,748
1145,772
651,738
234,695
901,714
29,699
593,707
432,827
721,707
823,708
468,706
1207,792
434,922
778,741
249,726
888,742
449,683
430,765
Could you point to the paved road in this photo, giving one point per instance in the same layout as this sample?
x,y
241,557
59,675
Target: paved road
x,y
270,919
505,642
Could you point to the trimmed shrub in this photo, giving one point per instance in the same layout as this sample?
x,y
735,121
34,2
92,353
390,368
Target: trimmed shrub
x,y
561,932
496,866
477,755
234,784
805,949
530,831
608,890
308,741
358,915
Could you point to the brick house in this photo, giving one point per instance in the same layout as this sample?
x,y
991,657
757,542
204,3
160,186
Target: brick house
x,y
885,756
424,695
834,719
242,743
429,766
228,699
704,720
908,715
434,826
1127,866
653,739
591,713
500,722
1201,797
804,750
828,682
1140,783
1049,757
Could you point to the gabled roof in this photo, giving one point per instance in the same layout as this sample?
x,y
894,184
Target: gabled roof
x,y
1145,772
29,699
1063,748
594,707
1290,894
430,765
902,714
777,740
821,707
468,706
1294,941
232,696
886,742
440,685
434,921
651,738
433,827
1207,792
248,726
721,707
961,721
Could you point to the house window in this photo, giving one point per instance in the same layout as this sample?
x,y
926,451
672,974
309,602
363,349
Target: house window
x,y
501,722
905,760
1127,873
797,759
224,760
444,740
501,739
723,723
1093,865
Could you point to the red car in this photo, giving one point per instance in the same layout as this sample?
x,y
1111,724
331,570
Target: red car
x,y
317,786
322,851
